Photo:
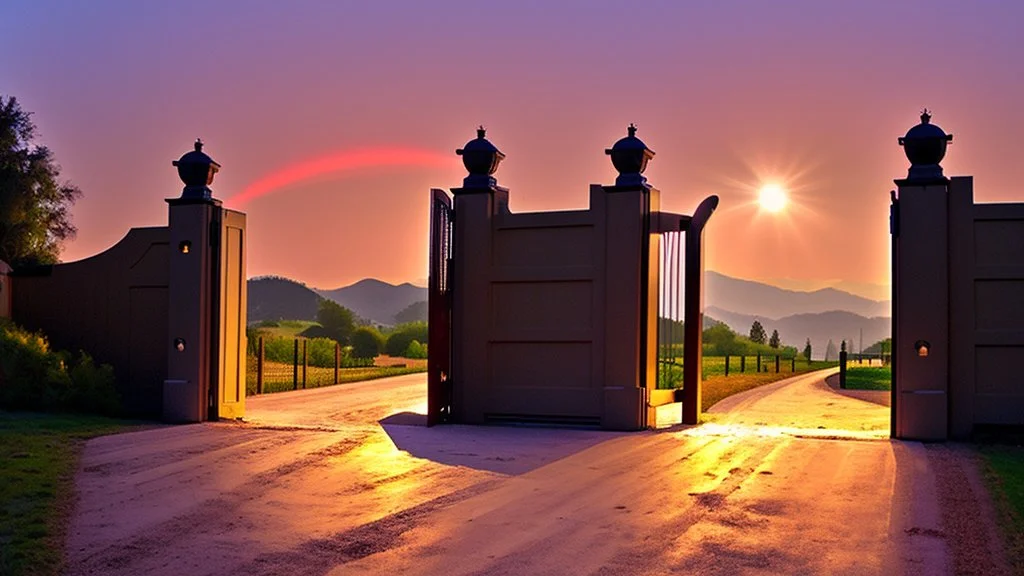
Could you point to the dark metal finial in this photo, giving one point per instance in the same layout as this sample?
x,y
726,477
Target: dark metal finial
x,y
925,116
631,129
481,131
199,145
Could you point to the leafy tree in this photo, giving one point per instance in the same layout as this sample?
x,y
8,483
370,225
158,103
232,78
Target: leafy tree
x,y
338,322
757,334
774,340
367,342
807,350
34,203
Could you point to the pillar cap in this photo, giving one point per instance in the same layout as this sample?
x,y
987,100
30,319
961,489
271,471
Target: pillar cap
x,y
481,159
925,147
630,157
196,169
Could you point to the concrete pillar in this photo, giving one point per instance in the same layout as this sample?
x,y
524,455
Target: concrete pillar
x,y
187,394
471,313
630,310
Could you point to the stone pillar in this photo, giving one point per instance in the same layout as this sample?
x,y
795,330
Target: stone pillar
x,y
921,289
192,221
474,207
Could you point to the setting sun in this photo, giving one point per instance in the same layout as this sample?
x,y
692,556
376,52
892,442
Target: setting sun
x,y
772,198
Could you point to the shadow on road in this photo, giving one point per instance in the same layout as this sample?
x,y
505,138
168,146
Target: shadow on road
x,y
502,449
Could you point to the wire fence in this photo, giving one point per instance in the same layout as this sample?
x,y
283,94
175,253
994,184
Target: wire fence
x,y
309,368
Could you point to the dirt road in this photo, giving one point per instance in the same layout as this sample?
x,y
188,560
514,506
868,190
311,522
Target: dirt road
x,y
787,479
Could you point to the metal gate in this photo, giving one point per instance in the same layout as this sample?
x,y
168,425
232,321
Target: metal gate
x,y
439,310
670,311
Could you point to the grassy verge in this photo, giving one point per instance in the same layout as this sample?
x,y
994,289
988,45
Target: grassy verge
x,y
717,388
38,457
279,377
1005,474
868,378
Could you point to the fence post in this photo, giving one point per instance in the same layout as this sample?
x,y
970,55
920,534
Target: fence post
x,y
337,360
259,366
776,363
793,369
726,364
295,366
743,363
842,369
758,362
305,362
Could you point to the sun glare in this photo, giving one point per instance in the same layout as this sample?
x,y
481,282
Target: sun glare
x,y
772,198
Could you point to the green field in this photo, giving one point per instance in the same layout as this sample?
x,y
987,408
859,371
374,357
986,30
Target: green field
x,y
285,328
670,373
38,457
868,377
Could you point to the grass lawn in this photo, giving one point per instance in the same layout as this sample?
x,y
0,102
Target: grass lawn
x,y
38,458
285,328
868,377
1005,473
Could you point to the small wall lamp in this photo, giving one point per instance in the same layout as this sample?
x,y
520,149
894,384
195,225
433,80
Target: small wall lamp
x,y
922,347
184,246
179,344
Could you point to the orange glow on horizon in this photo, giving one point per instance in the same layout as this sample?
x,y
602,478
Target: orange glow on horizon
x,y
344,161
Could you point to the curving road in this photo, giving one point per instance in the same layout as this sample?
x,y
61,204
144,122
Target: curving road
x,y
786,479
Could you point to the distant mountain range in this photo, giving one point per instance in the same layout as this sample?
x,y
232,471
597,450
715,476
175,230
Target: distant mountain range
x,y
820,327
759,299
819,315
276,298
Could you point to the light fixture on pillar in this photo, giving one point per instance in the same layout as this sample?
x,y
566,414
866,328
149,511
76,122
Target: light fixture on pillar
x,y
925,146
630,156
922,347
184,246
179,344
196,170
481,159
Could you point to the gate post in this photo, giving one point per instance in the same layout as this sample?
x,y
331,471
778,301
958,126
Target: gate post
x,y
920,288
694,307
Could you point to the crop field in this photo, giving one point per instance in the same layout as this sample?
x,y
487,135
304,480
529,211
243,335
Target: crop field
x,y
279,376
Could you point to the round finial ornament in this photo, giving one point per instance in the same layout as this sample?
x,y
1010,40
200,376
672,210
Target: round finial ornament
x,y
196,169
630,157
925,147
481,159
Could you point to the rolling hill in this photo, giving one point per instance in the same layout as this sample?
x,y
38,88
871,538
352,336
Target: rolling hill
x,y
375,300
276,298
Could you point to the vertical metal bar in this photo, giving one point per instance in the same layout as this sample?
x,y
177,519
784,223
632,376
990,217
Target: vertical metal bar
x,y
743,362
337,360
305,362
259,366
776,363
726,364
295,366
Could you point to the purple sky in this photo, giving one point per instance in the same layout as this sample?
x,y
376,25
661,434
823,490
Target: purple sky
x,y
730,95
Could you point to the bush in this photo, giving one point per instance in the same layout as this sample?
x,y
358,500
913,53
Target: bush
x,y
34,377
367,342
403,335
415,350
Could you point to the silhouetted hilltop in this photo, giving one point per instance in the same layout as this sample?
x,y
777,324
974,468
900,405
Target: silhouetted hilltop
x,y
276,298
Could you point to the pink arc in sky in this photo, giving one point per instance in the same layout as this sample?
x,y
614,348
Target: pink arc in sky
x,y
343,161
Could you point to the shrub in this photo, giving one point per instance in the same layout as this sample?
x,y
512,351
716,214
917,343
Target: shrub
x,y
403,335
415,350
367,342
34,377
